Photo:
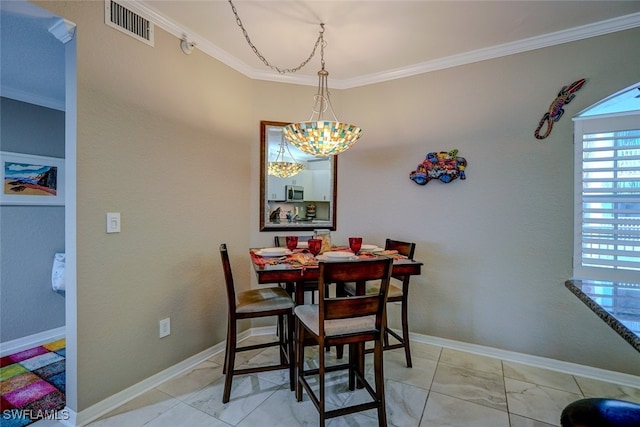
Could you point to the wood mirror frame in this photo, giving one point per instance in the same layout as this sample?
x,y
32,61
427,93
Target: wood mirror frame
x,y
319,180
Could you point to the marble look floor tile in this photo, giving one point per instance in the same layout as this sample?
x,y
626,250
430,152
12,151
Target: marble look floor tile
x,y
395,368
404,403
282,409
518,421
247,393
441,411
422,350
257,358
336,389
595,388
444,388
138,411
280,377
331,357
359,419
471,361
480,387
185,415
196,379
540,376
537,402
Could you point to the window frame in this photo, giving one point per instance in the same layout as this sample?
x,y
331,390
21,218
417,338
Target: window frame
x,y
588,125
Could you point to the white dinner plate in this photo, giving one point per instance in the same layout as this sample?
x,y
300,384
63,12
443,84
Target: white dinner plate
x,y
368,248
338,255
267,252
303,245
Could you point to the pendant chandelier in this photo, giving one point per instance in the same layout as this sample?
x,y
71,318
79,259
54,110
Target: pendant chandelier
x,y
320,137
281,168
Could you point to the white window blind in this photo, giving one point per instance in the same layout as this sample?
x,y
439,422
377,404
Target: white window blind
x,y
608,198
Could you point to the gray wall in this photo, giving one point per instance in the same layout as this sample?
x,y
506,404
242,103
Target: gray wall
x,y
31,235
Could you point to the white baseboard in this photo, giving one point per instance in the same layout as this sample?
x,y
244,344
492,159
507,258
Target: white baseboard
x,y
101,408
537,361
25,343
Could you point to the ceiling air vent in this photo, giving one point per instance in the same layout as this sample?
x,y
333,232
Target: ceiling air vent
x,y
119,17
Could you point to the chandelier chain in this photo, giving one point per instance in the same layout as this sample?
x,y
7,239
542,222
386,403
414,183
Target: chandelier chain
x,y
320,41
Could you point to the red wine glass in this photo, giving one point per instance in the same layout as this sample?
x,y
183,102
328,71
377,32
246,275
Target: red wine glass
x,y
292,242
355,243
314,246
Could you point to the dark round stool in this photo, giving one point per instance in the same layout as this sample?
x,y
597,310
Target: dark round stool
x,y
598,412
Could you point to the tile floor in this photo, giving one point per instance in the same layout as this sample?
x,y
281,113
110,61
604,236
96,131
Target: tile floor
x,y
445,387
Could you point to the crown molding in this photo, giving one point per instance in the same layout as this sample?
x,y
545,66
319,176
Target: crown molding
x,y
63,30
552,39
32,98
565,36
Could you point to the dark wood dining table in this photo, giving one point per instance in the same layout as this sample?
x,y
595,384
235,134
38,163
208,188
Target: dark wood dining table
x,y
296,275
286,270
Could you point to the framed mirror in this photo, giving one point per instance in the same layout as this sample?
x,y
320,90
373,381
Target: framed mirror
x,y
304,201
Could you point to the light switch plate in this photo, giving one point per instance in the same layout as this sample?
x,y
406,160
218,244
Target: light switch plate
x,y
113,222
165,327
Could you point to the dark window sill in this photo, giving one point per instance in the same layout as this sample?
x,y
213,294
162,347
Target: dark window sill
x,y
618,304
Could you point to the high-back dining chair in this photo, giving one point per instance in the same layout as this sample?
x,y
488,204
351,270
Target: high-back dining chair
x,y
344,320
396,294
261,302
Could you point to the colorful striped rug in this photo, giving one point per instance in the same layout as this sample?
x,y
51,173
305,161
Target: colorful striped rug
x,y
32,385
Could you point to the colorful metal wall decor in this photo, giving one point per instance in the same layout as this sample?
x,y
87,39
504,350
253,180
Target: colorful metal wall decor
x,y
444,166
556,110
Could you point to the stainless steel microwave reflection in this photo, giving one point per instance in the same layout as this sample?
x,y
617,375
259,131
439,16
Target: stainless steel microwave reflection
x,y
318,180
294,193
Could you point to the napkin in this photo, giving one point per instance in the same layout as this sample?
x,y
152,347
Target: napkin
x,y
302,259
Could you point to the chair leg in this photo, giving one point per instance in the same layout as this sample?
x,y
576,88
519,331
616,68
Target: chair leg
x,y
379,375
299,358
290,352
385,328
353,357
405,332
282,338
321,383
230,361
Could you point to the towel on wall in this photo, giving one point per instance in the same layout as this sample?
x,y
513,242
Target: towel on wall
x,y
57,272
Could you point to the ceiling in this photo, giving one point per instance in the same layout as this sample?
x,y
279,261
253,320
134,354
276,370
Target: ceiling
x,y
381,40
366,41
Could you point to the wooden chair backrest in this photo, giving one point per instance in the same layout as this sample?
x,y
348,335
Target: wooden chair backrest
x,y
404,248
359,305
228,278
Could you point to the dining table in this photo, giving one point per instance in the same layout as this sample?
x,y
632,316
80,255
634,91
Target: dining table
x,y
299,267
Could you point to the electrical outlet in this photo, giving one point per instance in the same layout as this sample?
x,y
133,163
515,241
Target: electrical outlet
x,y
165,327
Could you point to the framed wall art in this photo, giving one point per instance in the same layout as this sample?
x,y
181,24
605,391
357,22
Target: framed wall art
x,y
31,180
